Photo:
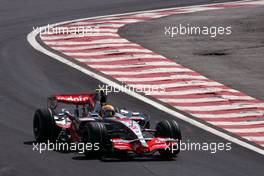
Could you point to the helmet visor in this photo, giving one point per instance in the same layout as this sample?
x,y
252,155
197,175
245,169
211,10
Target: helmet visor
x,y
109,113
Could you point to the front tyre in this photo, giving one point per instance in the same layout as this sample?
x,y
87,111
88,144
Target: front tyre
x,y
168,129
95,133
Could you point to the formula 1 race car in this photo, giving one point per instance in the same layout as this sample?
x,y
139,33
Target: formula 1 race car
x,y
76,118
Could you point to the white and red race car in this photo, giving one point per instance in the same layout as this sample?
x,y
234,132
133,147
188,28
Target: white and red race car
x,y
75,118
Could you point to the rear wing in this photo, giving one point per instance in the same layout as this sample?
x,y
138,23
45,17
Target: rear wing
x,y
77,99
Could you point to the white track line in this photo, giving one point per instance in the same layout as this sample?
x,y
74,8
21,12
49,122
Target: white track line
x,y
96,25
246,130
255,138
154,70
238,123
222,107
94,46
102,41
144,64
196,91
246,113
108,21
201,100
70,36
117,58
172,77
180,84
111,51
32,40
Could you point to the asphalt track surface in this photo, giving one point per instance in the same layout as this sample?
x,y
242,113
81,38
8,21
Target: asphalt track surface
x,y
27,77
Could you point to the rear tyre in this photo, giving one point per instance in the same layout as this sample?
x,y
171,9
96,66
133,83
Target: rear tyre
x,y
44,126
95,134
169,129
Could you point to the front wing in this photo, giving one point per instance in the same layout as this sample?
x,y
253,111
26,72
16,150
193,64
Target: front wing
x,y
153,144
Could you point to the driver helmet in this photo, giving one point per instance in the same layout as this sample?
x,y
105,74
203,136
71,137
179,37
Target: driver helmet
x,y
107,111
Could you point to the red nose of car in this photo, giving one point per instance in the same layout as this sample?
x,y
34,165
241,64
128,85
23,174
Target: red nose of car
x,y
142,149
